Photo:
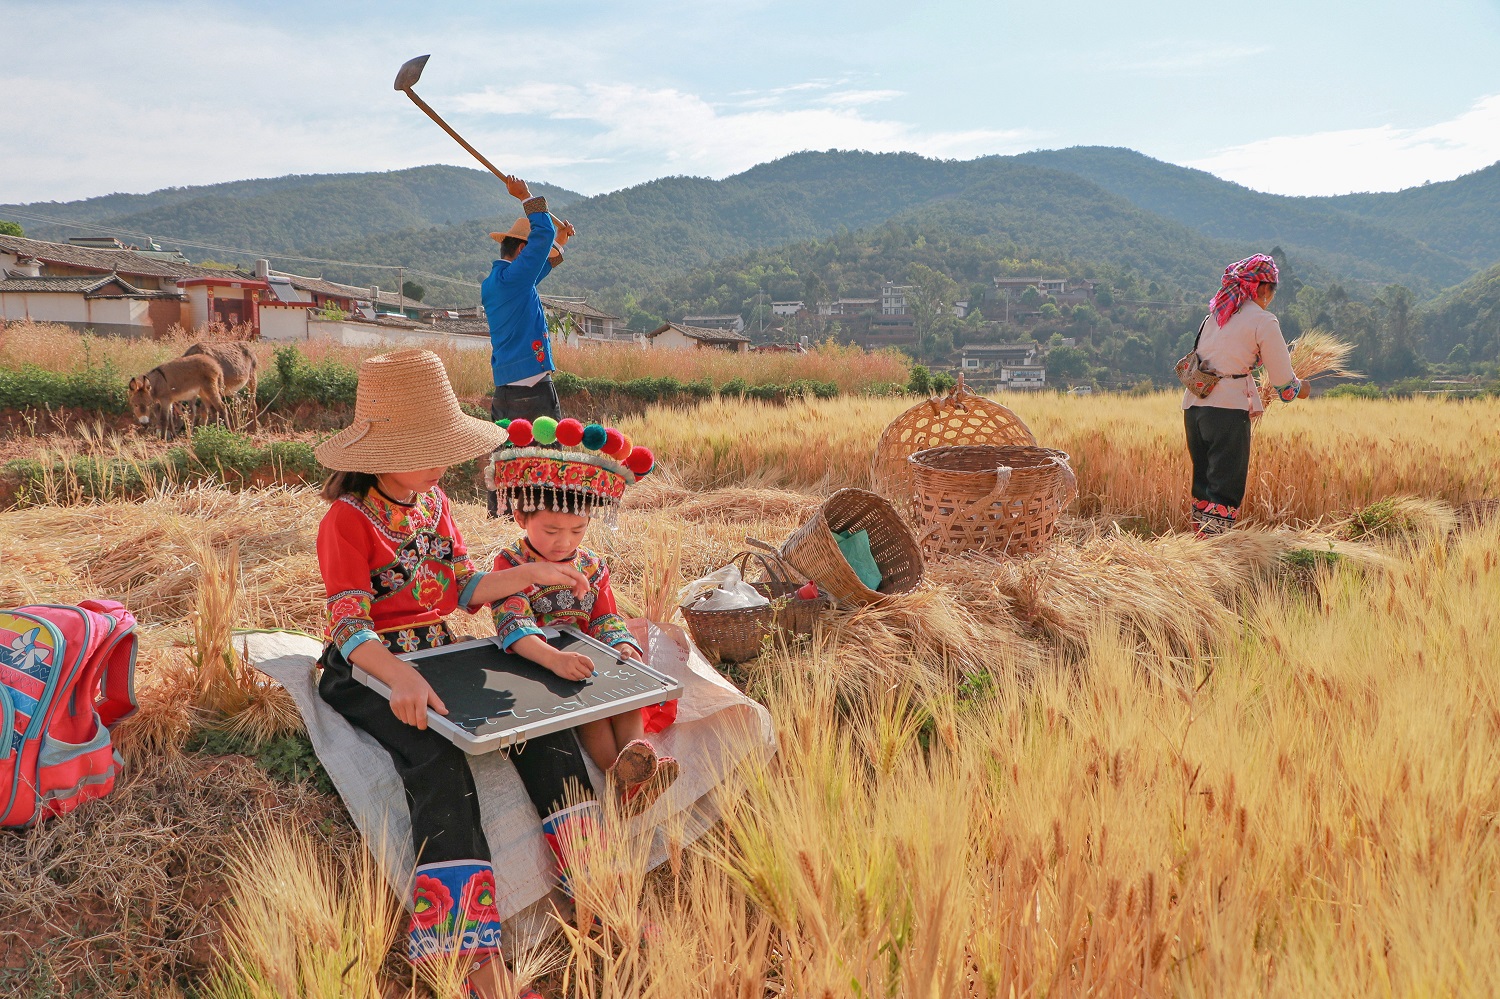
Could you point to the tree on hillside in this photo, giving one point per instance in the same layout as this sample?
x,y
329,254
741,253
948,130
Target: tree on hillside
x,y
413,291
931,302
8,228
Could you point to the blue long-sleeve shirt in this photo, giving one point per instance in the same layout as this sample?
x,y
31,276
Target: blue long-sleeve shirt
x,y
519,345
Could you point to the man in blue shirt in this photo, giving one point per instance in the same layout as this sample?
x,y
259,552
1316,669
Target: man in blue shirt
x,y
520,349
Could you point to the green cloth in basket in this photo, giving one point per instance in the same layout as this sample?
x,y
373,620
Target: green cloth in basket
x,y
855,547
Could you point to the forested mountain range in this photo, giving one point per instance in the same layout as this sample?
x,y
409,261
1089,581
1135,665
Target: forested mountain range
x,y
819,224
288,214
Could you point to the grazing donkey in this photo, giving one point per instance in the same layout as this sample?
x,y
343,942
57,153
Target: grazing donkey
x,y
153,395
237,362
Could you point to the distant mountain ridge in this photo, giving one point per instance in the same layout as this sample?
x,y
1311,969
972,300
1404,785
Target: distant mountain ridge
x,y
1110,206
290,214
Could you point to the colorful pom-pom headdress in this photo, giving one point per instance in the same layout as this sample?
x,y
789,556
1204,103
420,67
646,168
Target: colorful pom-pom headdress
x,y
565,466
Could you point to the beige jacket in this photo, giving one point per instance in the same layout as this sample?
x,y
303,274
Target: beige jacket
x,y
1251,337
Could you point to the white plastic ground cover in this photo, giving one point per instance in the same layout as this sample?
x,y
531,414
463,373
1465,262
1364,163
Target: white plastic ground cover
x,y
717,728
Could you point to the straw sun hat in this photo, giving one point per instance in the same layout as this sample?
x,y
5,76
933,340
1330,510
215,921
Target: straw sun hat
x,y
406,418
519,229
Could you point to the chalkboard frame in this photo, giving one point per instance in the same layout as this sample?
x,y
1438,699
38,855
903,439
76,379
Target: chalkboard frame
x,y
512,735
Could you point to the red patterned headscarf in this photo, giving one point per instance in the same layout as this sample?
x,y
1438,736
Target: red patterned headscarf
x,y
1241,278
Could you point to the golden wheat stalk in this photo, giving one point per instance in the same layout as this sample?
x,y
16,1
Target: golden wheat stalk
x,y
1315,354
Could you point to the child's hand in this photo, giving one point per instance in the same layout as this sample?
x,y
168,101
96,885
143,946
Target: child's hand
x,y
570,665
629,652
411,696
555,574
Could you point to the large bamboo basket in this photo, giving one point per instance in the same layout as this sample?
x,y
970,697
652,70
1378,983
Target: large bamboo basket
x,y
794,615
960,417
984,498
813,550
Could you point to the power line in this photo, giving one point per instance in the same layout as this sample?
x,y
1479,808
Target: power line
x,y
32,217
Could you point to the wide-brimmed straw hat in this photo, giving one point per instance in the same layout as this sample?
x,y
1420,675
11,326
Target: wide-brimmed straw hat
x,y
519,229
406,418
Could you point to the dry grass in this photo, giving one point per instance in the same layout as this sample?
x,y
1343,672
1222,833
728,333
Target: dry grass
x,y
1127,767
1317,460
853,369
1305,808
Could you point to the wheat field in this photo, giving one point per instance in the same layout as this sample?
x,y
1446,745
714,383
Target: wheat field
x,y
1141,764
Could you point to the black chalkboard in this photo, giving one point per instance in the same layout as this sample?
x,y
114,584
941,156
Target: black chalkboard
x,y
497,698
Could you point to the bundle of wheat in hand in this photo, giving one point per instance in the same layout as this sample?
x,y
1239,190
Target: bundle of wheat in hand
x,y
1314,355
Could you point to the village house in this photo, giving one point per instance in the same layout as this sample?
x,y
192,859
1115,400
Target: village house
x,y
104,285
680,336
584,324
733,323
788,308
849,307
893,299
1015,366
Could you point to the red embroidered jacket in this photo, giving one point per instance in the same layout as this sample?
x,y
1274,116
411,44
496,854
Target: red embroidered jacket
x,y
594,614
391,567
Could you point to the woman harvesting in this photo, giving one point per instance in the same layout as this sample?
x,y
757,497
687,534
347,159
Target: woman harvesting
x,y
1238,335
394,566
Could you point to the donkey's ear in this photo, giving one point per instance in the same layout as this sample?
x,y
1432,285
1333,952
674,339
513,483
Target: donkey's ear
x,y
132,385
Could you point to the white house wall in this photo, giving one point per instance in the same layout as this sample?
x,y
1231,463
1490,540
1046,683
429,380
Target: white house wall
x,y
363,335
283,324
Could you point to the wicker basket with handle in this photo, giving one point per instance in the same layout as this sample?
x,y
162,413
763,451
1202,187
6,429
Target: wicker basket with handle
x,y
960,417
794,614
986,498
813,550
730,636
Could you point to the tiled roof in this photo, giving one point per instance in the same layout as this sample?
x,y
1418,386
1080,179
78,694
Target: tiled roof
x,y
466,324
336,290
701,333
107,261
91,285
575,308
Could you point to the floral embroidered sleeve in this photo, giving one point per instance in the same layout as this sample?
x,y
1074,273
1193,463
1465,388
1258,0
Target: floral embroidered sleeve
x,y
344,562
514,620
605,624
466,574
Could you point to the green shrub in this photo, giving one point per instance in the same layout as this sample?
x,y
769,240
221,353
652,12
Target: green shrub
x,y
1361,391
293,381
37,388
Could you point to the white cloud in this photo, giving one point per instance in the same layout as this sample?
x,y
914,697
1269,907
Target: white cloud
x,y
1384,158
648,130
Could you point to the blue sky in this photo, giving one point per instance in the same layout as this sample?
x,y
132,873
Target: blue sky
x,y
1311,98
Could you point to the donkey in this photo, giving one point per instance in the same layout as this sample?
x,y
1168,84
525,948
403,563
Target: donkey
x,y
237,362
153,395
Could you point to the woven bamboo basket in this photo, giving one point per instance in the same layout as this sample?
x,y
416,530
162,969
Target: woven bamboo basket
x,y
960,417
813,551
795,615
984,498
730,636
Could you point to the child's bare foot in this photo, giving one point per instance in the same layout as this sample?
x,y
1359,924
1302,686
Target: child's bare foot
x,y
636,764
639,797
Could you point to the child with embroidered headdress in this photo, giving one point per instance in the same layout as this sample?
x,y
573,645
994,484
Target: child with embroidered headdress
x,y
394,565
554,491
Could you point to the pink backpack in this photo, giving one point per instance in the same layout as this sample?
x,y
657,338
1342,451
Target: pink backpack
x,y
65,679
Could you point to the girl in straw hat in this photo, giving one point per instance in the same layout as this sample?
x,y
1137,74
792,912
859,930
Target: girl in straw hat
x,y
394,565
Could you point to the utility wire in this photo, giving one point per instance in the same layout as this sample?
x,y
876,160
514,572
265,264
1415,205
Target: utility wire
x,y
32,217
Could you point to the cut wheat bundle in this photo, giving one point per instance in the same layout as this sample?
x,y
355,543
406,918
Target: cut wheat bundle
x,y
1315,354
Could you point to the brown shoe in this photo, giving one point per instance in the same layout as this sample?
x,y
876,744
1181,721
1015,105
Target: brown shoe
x,y
636,764
636,799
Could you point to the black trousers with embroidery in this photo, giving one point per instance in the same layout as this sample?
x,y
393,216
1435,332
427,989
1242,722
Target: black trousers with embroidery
x,y
517,402
1219,442
440,794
